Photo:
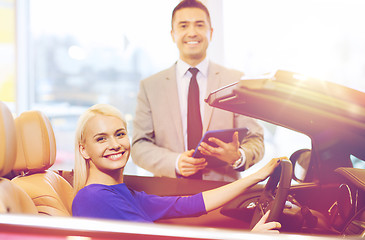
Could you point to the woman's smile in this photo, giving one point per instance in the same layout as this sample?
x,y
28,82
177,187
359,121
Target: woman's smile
x,y
115,156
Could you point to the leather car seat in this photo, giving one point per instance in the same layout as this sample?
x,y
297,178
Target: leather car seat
x,y
12,198
36,153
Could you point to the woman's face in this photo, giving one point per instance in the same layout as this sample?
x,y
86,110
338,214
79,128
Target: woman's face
x,y
106,143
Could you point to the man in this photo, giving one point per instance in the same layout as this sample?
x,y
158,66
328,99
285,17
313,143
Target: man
x,y
162,125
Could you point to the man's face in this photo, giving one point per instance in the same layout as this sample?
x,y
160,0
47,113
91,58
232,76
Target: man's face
x,y
192,33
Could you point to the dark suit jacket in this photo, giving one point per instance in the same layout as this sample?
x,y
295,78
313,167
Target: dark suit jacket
x,y
157,130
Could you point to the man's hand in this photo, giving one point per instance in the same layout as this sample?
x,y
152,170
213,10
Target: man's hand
x,y
188,165
227,152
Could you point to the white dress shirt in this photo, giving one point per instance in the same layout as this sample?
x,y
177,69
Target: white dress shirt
x,y
183,77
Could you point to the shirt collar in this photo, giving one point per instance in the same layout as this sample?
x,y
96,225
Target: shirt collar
x,y
182,67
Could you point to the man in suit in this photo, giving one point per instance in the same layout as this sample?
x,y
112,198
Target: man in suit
x,y
161,134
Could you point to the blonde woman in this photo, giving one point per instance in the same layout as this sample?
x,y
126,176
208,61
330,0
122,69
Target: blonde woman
x,y
102,150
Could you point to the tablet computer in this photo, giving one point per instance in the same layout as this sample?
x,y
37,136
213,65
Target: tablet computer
x,y
224,135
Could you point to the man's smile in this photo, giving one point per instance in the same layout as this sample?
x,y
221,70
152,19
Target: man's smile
x,y
192,42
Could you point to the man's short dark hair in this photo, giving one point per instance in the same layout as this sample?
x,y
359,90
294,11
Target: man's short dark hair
x,y
190,4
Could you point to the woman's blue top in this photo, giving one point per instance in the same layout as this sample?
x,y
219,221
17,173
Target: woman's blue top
x,y
120,202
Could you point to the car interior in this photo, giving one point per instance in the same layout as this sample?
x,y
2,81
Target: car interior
x,y
13,199
303,204
36,153
328,197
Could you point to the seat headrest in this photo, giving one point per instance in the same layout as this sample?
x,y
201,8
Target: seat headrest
x,y
36,148
7,140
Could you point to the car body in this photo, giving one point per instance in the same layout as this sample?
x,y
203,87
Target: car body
x,y
327,200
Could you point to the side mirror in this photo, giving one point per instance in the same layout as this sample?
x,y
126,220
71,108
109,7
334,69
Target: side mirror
x,y
300,161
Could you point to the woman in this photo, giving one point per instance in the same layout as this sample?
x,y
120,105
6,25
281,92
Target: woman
x,y
102,151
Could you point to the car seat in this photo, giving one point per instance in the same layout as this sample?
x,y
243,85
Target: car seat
x,y
36,153
12,198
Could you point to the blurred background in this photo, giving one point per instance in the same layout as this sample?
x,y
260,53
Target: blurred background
x,y
62,56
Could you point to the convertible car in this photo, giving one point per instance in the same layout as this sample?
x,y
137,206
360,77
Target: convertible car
x,y
319,193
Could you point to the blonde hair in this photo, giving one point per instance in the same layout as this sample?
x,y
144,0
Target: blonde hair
x,y
81,170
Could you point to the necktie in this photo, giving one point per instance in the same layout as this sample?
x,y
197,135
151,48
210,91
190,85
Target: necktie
x,y
195,127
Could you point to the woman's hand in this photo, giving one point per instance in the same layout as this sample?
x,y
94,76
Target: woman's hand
x,y
270,227
269,168
215,198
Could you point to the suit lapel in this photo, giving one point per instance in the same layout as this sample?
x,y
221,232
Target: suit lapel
x,y
214,79
172,103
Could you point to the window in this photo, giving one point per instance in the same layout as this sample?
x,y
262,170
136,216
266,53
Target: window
x,y
319,38
83,52
7,53
87,52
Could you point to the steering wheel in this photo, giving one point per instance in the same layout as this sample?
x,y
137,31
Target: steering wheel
x,y
271,201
